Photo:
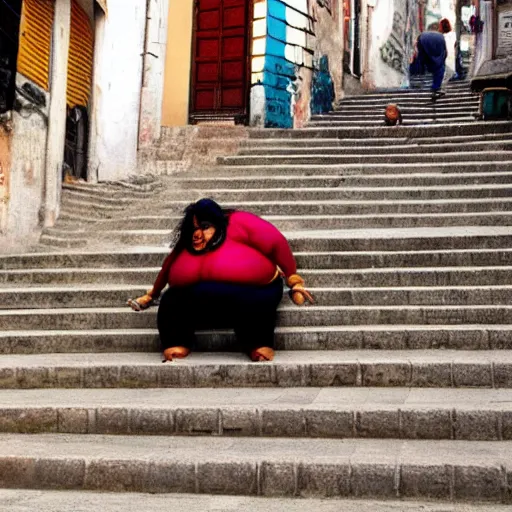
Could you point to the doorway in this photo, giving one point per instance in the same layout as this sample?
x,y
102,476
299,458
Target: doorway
x,y
220,61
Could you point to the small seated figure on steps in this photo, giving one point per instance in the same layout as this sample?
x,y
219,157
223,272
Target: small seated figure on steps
x,y
225,271
392,116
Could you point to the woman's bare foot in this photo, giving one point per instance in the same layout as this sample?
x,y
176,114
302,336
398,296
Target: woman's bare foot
x,y
262,354
176,352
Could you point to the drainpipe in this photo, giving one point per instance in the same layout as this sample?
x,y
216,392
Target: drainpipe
x,y
144,77
57,112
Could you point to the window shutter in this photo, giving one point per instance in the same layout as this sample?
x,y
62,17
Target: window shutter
x,y
35,41
81,48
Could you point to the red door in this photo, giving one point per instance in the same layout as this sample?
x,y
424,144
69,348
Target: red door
x,y
219,68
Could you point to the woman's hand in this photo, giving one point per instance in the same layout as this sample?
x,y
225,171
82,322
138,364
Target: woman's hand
x,y
298,292
141,303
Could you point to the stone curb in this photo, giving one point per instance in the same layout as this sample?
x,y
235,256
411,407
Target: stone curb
x,y
481,423
349,474
397,370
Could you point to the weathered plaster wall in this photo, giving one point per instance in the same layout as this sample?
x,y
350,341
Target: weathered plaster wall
x,y
153,72
329,43
393,32
177,63
27,171
483,46
302,67
117,87
5,170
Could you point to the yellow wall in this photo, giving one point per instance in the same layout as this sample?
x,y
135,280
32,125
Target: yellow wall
x,y
177,63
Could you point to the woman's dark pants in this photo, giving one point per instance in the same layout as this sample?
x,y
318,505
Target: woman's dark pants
x,y
249,310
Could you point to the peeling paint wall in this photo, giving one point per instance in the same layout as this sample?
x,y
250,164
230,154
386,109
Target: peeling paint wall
x,y
27,171
297,61
5,169
393,32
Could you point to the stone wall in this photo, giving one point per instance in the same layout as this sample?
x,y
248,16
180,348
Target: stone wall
x,y
190,148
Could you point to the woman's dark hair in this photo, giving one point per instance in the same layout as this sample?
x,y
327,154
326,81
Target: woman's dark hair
x,y
204,210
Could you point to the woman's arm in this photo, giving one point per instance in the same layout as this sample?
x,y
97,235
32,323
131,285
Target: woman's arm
x,y
162,279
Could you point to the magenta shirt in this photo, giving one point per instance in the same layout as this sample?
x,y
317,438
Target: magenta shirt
x,y
250,254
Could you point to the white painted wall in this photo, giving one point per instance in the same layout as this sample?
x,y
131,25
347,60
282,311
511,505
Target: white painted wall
x,y
153,74
379,73
57,117
117,87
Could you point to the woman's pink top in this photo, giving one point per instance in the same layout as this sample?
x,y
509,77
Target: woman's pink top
x,y
250,254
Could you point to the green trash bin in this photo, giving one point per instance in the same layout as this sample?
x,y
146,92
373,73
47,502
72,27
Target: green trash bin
x,y
495,103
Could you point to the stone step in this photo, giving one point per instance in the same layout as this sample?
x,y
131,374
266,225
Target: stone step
x,y
85,501
153,257
396,149
107,200
409,114
364,413
274,211
332,337
396,239
336,294
333,181
366,158
117,188
354,193
288,316
366,277
360,218
401,239
410,109
62,242
417,98
374,141
360,169
484,275
325,368
476,128
90,205
312,468
363,121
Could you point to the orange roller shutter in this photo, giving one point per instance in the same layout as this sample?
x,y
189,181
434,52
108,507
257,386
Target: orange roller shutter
x,y
35,41
81,48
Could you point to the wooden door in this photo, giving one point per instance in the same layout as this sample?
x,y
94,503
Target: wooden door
x,y
220,60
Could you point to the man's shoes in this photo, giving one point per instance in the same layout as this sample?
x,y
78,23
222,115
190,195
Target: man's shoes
x,y
437,94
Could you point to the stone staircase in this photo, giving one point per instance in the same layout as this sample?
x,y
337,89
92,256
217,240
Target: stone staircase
x,y
395,385
459,105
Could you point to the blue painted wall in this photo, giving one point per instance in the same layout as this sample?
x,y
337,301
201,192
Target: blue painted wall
x,y
279,73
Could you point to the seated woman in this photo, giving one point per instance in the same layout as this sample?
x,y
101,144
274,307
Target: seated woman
x,y
225,271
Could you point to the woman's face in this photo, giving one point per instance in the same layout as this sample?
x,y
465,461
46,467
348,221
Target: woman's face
x,y
203,233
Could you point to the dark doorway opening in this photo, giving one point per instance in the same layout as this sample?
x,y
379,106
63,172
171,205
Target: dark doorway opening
x,y
77,137
10,15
